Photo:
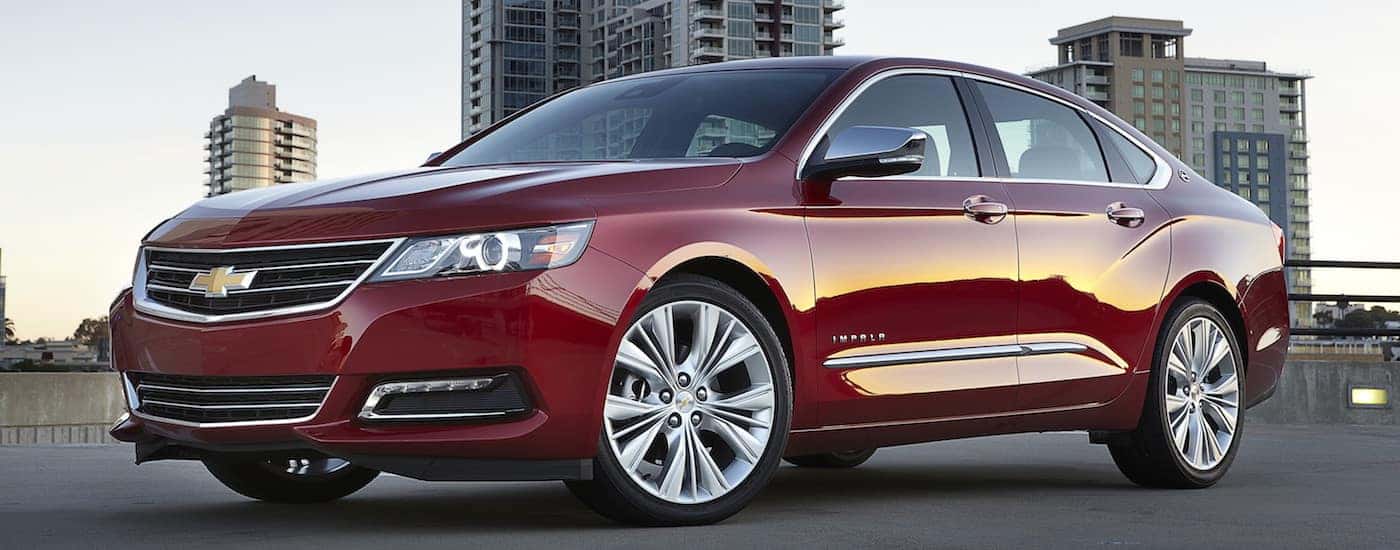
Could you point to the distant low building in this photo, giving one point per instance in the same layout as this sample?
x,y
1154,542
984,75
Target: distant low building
x,y
253,144
59,351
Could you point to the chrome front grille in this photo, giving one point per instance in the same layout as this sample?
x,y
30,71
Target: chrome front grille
x,y
207,400
205,285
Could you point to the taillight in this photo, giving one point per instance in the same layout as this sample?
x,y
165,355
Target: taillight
x,y
1282,245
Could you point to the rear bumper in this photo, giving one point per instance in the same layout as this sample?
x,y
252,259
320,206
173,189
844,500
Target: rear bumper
x,y
555,330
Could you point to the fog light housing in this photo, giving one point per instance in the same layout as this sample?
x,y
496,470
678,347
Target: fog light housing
x,y
446,399
1368,397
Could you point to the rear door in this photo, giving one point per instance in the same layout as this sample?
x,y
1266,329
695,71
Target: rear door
x,y
1093,247
916,298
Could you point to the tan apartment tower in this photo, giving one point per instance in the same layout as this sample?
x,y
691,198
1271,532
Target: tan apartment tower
x,y
253,144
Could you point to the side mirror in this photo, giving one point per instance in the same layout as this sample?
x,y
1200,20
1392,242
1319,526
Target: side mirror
x,y
432,156
869,151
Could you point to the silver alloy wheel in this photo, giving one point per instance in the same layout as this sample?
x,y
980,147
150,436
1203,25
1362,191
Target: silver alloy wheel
x,y
1202,394
690,404
299,467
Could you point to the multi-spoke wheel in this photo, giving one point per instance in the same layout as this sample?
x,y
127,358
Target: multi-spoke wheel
x,y
696,412
292,479
1190,427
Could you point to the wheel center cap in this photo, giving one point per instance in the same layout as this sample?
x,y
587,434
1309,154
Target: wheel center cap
x,y
1196,392
684,401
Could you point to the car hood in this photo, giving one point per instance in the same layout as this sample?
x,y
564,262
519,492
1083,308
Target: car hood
x,y
427,200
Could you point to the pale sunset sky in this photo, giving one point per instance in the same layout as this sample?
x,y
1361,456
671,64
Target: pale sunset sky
x,y
103,106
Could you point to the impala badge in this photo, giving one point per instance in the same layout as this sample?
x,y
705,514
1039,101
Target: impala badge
x,y
218,281
859,338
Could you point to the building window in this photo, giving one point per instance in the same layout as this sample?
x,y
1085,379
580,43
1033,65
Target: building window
x,y
1257,128
1261,162
1176,122
1163,47
1262,146
1158,92
1137,75
1130,44
1220,126
1140,123
1198,127
1138,91
1158,109
1220,112
1263,180
1176,109
1256,115
1257,98
1241,144
1139,108
1237,97
1157,75
1220,96
1198,144
1198,112
1199,160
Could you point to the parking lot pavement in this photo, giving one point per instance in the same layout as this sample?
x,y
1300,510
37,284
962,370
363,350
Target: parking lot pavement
x,y
1292,487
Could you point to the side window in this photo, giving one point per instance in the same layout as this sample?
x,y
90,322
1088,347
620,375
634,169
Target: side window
x,y
926,103
1140,164
1043,139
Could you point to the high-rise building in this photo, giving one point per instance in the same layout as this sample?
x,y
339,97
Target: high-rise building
x,y
253,144
1234,121
517,52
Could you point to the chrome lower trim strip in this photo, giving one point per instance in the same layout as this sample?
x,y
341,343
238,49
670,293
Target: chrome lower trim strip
x,y
952,354
251,389
145,305
918,421
134,402
231,407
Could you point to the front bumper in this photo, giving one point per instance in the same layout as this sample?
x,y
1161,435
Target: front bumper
x,y
553,329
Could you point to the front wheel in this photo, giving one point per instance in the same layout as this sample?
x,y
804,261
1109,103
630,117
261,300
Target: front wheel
x,y
697,409
290,480
1191,424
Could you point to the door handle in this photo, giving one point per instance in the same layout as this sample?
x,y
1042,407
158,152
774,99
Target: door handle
x,y
1123,214
983,209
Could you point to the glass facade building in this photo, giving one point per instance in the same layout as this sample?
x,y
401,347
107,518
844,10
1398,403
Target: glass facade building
x,y
517,52
253,144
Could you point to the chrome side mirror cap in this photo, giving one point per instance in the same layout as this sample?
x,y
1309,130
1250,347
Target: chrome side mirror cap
x,y
868,151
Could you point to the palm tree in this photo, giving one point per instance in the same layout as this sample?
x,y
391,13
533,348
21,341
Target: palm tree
x,y
9,329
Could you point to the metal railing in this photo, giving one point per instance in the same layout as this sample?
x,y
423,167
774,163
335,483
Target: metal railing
x,y
1366,298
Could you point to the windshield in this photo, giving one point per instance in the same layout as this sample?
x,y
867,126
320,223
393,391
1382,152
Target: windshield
x,y
708,114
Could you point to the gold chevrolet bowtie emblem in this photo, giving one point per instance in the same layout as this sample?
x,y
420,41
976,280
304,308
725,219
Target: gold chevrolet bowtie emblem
x,y
218,281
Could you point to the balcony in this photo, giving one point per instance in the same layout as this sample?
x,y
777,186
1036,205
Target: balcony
x,y
832,22
1290,106
703,52
1101,80
707,32
708,13
833,5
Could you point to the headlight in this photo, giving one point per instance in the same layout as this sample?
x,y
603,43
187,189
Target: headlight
x,y
515,250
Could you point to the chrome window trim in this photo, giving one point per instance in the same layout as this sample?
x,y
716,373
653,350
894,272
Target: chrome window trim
x,y
145,305
1160,178
134,403
952,354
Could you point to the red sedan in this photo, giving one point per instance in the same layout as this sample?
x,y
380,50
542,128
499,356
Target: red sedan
x,y
659,287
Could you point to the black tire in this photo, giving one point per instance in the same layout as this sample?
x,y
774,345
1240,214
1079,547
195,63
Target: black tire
x,y
267,481
845,459
1147,456
612,492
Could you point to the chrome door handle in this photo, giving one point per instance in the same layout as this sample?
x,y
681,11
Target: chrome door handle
x,y
1123,214
983,209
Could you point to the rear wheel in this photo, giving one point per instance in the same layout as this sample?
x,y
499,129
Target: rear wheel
x,y
697,409
290,480
1191,423
843,459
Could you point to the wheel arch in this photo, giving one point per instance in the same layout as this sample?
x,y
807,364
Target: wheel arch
x,y
1218,296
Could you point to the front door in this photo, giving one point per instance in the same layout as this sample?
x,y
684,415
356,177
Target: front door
x,y
916,297
1093,247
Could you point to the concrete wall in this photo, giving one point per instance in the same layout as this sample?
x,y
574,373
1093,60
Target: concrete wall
x,y
1316,392
59,407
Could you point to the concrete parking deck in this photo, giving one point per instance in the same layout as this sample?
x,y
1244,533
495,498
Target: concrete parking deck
x,y
1292,487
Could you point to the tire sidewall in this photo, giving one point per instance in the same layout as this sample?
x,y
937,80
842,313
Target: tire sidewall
x,y
654,508
1185,313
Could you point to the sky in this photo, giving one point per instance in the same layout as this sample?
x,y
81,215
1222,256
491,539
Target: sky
x,y
103,106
